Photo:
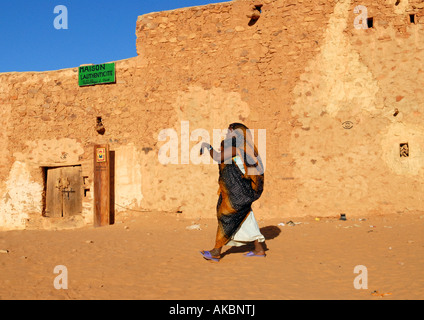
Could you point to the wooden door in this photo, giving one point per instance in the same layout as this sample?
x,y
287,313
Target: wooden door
x,y
64,192
102,201
72,191
54,193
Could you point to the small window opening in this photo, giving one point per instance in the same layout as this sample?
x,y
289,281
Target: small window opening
x,y
412,18
99,126
370,22
404,150
396,112
397,2
85,192
85,183
255,14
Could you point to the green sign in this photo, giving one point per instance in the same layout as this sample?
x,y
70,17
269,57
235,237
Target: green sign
x,y
96,74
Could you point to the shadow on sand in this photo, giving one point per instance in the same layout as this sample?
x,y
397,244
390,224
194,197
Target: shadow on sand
x,y
269,232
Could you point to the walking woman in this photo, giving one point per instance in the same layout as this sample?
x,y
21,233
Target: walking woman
x,y
241,181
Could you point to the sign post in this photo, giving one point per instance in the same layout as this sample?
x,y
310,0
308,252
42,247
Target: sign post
x,y
101,185
96,74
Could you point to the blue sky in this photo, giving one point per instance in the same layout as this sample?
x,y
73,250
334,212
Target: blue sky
x,y
98,31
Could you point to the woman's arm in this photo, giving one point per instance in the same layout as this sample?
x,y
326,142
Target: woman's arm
x,y
219,157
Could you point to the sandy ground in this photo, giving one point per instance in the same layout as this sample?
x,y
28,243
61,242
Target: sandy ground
x,y
154,256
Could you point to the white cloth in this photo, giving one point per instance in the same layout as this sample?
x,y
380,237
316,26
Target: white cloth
x,y
239,163
248,232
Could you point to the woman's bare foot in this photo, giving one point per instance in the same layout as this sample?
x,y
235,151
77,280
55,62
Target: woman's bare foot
x,y
259,250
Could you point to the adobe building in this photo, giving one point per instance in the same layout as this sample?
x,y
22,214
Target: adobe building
x,y
342,107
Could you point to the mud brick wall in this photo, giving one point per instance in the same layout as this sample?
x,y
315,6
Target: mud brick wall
x,y
336,103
